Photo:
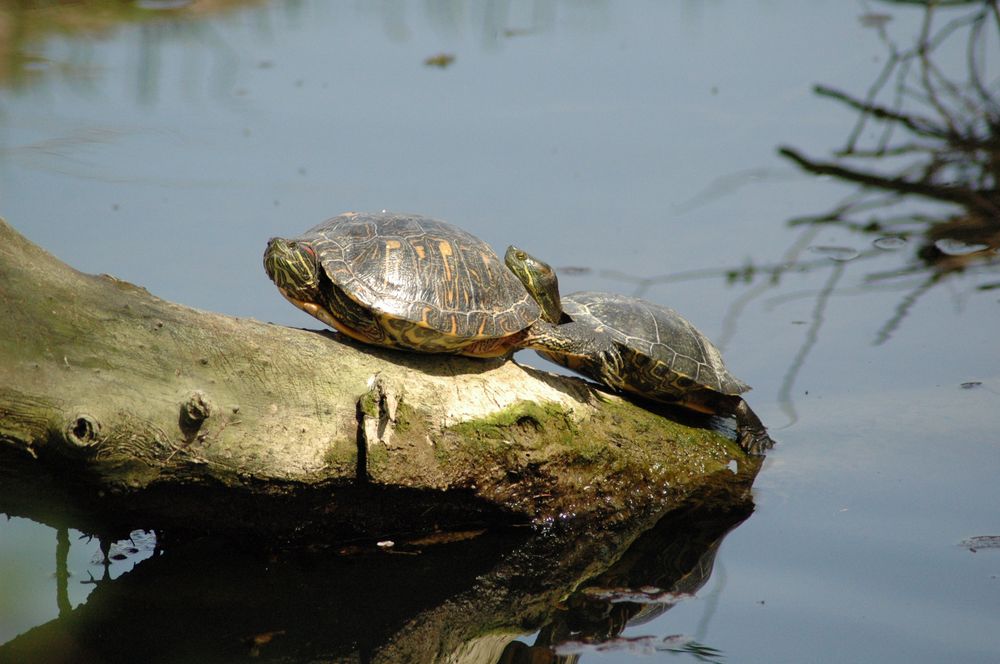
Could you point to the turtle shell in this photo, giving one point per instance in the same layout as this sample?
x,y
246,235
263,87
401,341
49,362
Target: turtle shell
x,y
430,285
664,357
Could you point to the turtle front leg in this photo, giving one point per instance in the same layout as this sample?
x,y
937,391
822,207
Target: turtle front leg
x,y
751,433
609,367
572,339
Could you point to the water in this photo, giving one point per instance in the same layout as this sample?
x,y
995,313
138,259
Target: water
x,y
634,145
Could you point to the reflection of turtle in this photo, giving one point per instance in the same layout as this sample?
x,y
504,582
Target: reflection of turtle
x,y
657,354
406,281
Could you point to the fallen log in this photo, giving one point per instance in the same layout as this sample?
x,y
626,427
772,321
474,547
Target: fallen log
x,y
152,414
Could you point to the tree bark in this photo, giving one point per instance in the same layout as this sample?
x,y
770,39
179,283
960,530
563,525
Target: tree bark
x,y
192,419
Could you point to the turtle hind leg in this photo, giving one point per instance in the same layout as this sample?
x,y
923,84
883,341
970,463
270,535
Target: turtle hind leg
x,y
751,433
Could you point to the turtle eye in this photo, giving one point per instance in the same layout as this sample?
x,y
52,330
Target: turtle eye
x,y
521,256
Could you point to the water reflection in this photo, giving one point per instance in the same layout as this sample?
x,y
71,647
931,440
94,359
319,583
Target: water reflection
x,y
934,137
666,565
922,134
25,27
468,601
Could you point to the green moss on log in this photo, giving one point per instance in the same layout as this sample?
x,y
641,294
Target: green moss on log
x,y
342,455
539,459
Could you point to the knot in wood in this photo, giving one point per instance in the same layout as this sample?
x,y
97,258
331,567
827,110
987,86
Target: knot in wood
x,y
82,431
195,410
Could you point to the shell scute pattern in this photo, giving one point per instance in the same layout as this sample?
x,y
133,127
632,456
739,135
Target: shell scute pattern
x,y
664,355
429,283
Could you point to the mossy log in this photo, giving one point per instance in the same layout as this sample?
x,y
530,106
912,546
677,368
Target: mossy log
x,y
196,419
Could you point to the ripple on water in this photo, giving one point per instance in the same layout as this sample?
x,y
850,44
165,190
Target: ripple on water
x,y
839,254
890,242
957,247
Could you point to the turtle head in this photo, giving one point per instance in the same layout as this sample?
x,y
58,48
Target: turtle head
x,y
293,267
539,280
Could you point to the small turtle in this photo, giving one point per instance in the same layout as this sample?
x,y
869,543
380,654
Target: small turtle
x,y
652,351
415,283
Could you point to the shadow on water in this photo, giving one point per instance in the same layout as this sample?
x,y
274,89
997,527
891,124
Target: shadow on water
x,y
471,600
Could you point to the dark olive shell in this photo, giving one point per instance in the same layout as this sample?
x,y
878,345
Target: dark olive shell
x,y
663,355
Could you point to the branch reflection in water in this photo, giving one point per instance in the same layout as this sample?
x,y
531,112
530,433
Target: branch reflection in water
x,y
937,140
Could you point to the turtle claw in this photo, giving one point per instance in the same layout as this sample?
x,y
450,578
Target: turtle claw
x,y
750,431
754,442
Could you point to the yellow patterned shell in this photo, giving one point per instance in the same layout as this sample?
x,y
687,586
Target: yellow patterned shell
x,y
430,286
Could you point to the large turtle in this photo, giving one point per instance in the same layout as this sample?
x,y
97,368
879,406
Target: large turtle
x,y
649,350
415,283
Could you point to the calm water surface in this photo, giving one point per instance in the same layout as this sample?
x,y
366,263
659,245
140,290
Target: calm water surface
x,y
635,146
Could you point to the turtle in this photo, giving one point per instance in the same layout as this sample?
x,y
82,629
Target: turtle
x,y
414,283
650,350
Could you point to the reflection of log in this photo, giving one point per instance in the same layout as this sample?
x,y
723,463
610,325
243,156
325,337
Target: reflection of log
x,y
208,421
464,602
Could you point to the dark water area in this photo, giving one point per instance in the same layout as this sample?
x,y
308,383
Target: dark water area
x,y
813,184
